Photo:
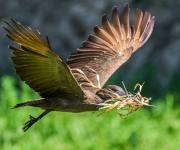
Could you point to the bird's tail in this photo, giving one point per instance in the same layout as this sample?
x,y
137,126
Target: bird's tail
x,y
42,102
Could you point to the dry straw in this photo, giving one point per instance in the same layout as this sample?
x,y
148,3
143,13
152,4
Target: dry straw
x,y
129,102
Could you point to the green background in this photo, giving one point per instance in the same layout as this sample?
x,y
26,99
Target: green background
x,y
156,63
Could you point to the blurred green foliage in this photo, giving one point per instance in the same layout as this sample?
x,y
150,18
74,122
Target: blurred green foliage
x,y
151,129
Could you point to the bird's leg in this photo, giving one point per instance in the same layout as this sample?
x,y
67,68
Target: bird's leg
x,y
33,120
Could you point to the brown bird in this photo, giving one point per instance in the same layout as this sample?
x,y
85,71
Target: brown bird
x,y
77,86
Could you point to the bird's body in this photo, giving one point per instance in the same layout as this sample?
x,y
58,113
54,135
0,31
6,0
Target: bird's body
x,y
77,86
65,104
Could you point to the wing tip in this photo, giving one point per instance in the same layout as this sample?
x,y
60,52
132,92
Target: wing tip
x,y
5,21
139,10
104,19
148,30
47,39
114,9
114,13
13,20
96,29
153,19
126,6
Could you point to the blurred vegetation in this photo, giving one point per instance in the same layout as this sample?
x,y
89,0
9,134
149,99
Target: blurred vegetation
x,y
149,128
152,129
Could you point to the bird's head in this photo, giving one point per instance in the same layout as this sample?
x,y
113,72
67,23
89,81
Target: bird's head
x,y
110,91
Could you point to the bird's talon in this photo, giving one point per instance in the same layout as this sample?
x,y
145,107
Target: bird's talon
x,y
29,123
31,117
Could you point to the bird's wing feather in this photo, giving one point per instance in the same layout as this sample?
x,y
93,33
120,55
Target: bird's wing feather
x,y
37,65
110,46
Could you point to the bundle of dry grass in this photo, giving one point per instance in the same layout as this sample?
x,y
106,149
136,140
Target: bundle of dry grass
x,y
130,102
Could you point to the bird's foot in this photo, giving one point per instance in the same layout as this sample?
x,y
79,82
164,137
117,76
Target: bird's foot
x,y
28,124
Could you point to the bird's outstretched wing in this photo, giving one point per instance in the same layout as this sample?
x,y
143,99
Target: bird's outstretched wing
x,y
110,46
37,65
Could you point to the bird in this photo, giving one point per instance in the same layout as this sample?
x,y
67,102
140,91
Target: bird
x,y
78,84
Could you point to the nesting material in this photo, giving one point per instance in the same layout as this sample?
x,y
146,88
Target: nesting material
x,y
128,103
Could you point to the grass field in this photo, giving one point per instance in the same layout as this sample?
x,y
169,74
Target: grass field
x,y
147,129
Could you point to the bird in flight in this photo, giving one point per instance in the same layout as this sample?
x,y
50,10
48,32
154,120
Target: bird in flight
x,y
77,85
